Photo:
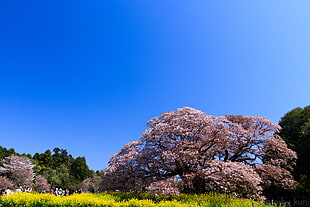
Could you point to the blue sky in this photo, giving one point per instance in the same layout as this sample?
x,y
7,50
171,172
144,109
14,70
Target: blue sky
x,y
86,76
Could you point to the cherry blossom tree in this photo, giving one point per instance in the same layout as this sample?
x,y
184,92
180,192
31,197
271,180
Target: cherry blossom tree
x,y
91,184
5,183
18,169
40,184
189,151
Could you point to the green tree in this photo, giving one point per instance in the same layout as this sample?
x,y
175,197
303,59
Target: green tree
x,y
296,132
6,152
61,157
61,169
59,177
79,169
44,159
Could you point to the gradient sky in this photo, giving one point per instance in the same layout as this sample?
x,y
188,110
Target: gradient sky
x,y
86,76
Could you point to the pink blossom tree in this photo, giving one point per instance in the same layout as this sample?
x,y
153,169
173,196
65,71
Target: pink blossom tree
x,y
40,184
91,184
190,151
5,183
18,169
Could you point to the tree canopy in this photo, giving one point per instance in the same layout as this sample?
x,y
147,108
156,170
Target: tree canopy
x,y
296,132
189,151
56,169
60,168
19,169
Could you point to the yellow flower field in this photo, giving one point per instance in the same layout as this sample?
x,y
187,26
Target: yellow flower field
x,y
110,200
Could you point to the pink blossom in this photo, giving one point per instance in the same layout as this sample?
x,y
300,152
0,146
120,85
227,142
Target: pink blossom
x,y
231,154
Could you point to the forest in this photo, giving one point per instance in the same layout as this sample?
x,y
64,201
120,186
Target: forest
x,y
184,152
46,171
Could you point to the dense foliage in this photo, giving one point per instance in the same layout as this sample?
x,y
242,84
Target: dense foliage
x,y
189,151
124,200
6,152
296,132
60,168
51,169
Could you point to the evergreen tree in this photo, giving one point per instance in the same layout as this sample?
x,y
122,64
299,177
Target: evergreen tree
x,y
296,132
5,152
79,169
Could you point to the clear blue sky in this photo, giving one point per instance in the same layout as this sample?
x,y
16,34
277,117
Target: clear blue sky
x,y
86,76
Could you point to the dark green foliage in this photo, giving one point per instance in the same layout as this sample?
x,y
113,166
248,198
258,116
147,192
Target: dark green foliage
x,y
60,168
6,152
44,159
296,132
79,169
61,157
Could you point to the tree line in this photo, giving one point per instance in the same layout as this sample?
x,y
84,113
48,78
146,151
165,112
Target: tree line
x,y
51,169
186,151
